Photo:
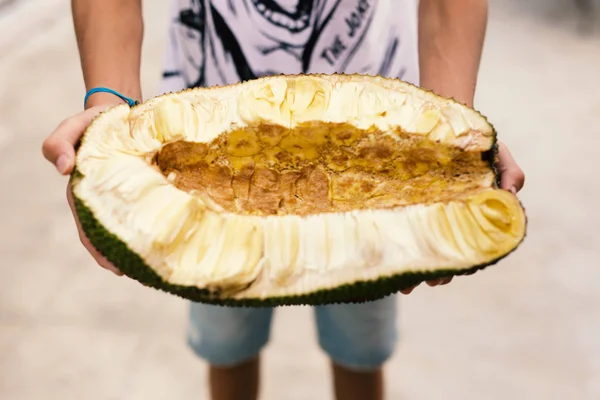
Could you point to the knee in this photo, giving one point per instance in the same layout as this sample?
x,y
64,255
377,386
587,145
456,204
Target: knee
x,y
224,336
359,337
363,356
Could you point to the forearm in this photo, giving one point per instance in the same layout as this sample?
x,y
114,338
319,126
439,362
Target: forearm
x,y
109,37
451,36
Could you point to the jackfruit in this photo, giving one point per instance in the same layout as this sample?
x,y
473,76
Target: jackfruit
x,y
303,189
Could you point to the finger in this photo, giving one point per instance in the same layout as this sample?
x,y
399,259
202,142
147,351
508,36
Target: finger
x,y
100,259
408,290
512,177
59,146
434,282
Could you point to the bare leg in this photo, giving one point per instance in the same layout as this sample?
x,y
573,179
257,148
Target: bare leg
x,y
353,385
240,382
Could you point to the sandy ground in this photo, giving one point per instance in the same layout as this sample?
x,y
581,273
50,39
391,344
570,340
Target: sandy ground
x,y
528,328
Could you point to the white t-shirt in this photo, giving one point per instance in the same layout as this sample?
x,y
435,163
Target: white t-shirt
x,y
217,42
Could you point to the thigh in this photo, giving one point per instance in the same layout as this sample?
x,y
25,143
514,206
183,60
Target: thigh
x,y
227,335
359,336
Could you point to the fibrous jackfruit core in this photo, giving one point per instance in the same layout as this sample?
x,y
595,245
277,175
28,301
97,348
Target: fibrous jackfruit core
x,y
320,167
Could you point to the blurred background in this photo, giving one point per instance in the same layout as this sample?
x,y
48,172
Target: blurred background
x,y
528,328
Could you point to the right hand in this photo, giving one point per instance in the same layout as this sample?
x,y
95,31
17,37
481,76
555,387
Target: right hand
x,y
59,149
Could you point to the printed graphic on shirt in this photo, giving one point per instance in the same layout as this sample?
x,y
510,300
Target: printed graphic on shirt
x,y
225,41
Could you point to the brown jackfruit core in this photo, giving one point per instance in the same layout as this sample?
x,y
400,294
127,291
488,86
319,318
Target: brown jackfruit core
x,y
320,167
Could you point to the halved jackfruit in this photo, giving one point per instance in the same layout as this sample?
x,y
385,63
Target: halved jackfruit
x,y
307,189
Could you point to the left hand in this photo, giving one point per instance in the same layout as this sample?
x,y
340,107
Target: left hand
x,y
512,179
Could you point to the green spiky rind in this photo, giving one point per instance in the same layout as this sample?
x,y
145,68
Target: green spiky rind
x,y
133,266
111,247
491,155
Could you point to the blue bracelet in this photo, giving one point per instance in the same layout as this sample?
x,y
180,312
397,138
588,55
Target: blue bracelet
x,y
90,92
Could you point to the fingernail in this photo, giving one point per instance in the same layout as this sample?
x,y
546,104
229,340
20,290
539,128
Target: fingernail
x,y
62,164
513,189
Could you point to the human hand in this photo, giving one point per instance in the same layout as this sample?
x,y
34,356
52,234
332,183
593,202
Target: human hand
x,y
59,149
512,177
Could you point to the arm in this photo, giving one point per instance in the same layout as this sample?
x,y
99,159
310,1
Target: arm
x,y
109,37
451,36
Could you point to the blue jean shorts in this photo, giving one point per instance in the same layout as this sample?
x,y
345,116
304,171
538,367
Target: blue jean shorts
x,y
356,336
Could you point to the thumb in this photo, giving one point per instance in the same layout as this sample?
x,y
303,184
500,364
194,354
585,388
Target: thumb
x,y
59,146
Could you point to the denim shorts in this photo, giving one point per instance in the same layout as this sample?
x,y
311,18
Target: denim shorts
x,y
356,336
